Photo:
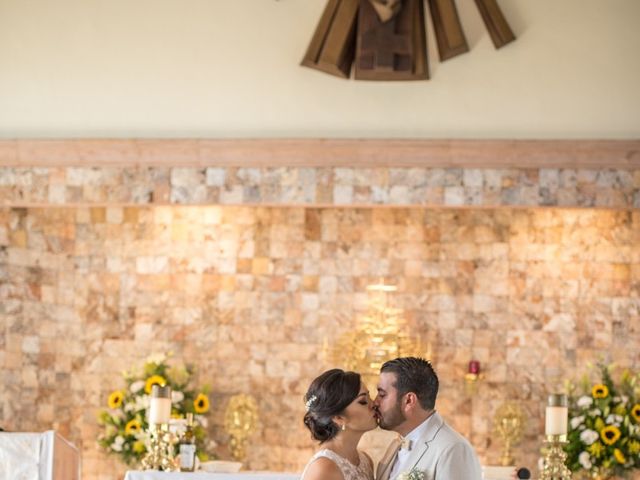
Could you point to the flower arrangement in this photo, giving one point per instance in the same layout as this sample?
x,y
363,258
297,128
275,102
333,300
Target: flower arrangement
x,y
413,474
125,425
604,424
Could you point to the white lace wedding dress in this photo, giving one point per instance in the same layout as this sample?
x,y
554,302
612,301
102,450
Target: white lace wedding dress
x,y
363,471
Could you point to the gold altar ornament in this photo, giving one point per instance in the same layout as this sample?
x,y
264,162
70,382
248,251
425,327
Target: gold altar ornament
x,y
380,335
508,424
240,419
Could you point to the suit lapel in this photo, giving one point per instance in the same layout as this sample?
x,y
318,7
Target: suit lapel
x,y
384,466
422,445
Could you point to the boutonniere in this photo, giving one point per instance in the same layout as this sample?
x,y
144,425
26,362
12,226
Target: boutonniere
x,y
413,474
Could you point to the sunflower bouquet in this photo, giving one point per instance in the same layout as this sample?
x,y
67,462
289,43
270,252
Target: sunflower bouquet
x,y
604,425
125,425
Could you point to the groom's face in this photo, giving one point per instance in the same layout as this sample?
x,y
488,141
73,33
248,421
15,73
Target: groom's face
x,y
388,403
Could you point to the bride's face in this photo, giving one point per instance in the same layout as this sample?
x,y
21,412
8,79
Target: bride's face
x,y
360,414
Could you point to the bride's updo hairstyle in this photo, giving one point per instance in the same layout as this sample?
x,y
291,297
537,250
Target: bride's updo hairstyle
x,y
328,396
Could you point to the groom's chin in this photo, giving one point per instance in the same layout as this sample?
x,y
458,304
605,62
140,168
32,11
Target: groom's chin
x,y
383,426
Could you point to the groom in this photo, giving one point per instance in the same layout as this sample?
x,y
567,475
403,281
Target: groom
x,y
429,448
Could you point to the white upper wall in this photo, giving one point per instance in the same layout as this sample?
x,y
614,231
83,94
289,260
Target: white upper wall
x,y
230,68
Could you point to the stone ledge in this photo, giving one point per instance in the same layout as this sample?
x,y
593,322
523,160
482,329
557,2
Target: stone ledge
x,y
361,153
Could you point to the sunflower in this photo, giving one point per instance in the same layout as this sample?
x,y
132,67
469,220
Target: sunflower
x,y
634,447
619,456
133,427
600,391
154,380
635,412
115,399
610,434
201,403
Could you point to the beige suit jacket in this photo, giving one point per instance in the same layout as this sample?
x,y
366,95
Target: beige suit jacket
x,y
441,453
386,463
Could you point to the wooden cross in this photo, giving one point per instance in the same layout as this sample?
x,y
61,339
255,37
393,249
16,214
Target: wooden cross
x,y
382,43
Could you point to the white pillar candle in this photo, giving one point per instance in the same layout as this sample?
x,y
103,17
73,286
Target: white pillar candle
x,y
160,405
556,415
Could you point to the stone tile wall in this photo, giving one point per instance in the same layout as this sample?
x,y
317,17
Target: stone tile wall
x,y
613,188
248,294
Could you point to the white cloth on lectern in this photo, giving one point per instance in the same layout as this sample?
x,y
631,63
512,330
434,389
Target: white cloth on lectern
x,y
20,456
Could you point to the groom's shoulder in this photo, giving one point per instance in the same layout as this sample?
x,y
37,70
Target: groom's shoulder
x,y
451,437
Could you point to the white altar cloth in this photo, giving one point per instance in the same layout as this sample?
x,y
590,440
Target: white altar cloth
x,y
155,475
37,456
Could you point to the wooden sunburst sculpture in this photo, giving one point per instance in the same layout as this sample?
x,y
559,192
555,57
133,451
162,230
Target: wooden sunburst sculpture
x,y
386,39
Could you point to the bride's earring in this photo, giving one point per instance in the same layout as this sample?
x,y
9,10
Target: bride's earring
x,y
343,427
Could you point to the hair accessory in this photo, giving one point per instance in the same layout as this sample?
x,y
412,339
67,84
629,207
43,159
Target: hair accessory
x,y
309,402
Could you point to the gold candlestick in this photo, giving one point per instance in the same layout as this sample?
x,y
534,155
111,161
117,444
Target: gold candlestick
x,y
160,450
556,418
554,459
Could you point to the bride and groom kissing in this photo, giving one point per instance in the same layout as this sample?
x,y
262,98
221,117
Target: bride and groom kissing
x,y
340,411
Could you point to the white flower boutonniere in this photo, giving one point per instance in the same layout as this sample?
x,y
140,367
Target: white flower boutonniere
x,y
413,474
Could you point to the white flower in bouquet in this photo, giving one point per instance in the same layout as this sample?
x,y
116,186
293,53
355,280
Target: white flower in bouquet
x,y
117,443
137,386
588,436
585,460
584,401
577,421
202,421
176,397
614,420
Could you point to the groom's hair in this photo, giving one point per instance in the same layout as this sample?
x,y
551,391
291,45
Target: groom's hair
x,y
415,375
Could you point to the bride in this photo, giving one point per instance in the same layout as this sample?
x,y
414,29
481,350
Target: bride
x,y
339,412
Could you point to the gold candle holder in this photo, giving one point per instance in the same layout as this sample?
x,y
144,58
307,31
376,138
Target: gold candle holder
x,y
554,466
160,451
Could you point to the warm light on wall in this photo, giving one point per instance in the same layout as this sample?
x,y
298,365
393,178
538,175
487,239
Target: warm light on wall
x,y
380,335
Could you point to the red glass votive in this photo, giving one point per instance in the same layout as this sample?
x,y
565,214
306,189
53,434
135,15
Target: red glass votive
x,y
474,367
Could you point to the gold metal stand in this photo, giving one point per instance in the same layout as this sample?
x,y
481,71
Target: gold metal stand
x,y
509,423
240,419
379,335
160,450
554,459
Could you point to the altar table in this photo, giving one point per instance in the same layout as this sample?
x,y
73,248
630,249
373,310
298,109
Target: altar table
x,y
155,475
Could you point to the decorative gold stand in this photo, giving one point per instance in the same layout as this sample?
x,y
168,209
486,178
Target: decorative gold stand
x,y
160,450
509,423
379,335
554,459
240,420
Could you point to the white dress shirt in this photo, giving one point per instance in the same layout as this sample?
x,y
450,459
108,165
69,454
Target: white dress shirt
x,y
403,454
